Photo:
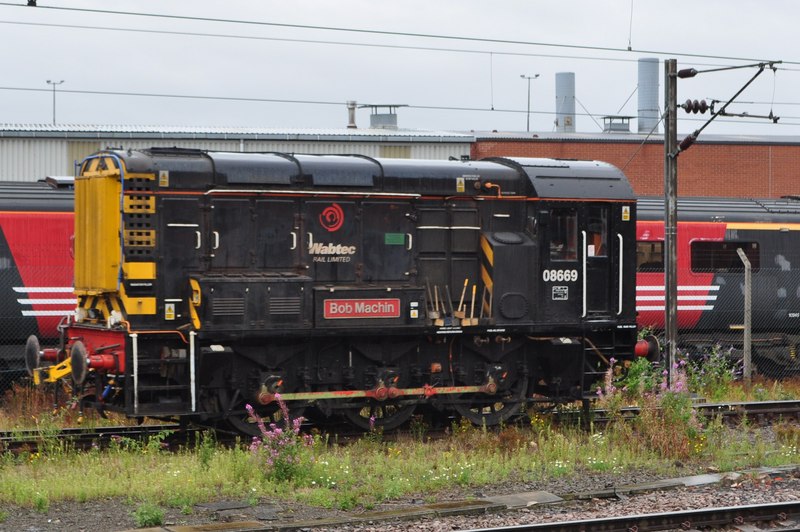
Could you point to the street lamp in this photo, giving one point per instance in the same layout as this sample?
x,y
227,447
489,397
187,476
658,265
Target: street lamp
x,y
54,83
529,78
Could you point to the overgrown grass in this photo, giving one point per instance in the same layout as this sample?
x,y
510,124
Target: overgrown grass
x,y
369,472
666,438
48,408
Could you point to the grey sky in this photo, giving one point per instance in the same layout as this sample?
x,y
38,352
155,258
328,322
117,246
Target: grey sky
x,y
460,74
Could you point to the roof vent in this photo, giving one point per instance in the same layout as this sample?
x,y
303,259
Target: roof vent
x,y
351,114
617,124
384,116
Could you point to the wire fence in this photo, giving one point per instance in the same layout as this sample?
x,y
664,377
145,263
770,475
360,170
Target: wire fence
x,y
710,318
711,315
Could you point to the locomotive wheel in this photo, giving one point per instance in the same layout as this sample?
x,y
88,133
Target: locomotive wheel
x,y
236,415
489,410
381,415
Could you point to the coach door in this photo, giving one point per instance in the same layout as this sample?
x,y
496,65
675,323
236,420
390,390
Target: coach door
x,y
599,300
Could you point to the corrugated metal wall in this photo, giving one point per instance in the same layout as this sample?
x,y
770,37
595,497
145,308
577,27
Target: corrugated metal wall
x,y
31,159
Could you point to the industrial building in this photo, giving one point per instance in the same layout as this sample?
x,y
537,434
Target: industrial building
x,y
32,152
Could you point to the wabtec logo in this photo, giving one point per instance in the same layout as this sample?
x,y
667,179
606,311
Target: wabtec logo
x,y
319,248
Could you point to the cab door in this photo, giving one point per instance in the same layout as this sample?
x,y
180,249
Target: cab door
x,y
560,275
596,265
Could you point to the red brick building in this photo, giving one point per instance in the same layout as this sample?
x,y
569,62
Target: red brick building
x,y
716,165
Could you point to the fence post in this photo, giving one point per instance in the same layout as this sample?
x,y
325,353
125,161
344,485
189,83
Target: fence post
x,y
748,303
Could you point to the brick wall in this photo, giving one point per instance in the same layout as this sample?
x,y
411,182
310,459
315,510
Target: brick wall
x,y
739,170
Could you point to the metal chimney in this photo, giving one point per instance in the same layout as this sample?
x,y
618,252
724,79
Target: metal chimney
x,y
565,102
648,95
351,114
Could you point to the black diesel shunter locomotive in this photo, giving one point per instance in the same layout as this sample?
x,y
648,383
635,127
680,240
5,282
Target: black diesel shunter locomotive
x,y
363,287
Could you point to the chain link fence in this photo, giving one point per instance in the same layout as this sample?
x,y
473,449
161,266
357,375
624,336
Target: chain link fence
x,y
710,318
34,299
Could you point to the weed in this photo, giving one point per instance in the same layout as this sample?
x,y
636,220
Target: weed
x,y
641,377
462,427
281,451
41,502
3,516
787,433
510,440
156,443
713,373
418,427
206,448
252,497
348,501
375,435
668,421
184,502
148,515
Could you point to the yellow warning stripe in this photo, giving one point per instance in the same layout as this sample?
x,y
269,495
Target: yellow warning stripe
x,y
770,226
488,252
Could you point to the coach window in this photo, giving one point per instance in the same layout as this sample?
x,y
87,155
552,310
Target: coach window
x,y
563,234
722,256
649,256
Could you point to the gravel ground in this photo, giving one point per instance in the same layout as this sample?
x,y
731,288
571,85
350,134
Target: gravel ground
x,y
116,514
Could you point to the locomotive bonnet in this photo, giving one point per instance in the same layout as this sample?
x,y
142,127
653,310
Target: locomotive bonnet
x,y
359,287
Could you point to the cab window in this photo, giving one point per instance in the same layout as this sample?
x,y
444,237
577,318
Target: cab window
x,y
597,232
563,234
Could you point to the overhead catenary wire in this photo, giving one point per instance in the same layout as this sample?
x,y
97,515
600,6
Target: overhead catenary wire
x,y
365,31
325,42
324,102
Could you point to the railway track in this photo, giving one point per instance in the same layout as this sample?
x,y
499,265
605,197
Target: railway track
x,y
777,516
83,438
759,410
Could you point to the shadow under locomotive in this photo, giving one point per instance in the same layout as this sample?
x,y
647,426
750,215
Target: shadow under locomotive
x,y
208,281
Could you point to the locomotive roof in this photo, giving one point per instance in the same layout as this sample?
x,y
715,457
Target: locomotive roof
x,y
707,209
546,178
53,194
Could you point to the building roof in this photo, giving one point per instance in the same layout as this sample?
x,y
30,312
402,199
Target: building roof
x,y
656,138
229,133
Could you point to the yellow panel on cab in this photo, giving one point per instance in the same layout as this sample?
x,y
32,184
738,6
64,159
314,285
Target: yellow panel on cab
x,y
97,221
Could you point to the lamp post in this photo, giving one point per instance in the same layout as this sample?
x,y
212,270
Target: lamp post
x,y
54,84
529,78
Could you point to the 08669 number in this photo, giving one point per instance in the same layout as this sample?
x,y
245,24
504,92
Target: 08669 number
x,y
549,276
